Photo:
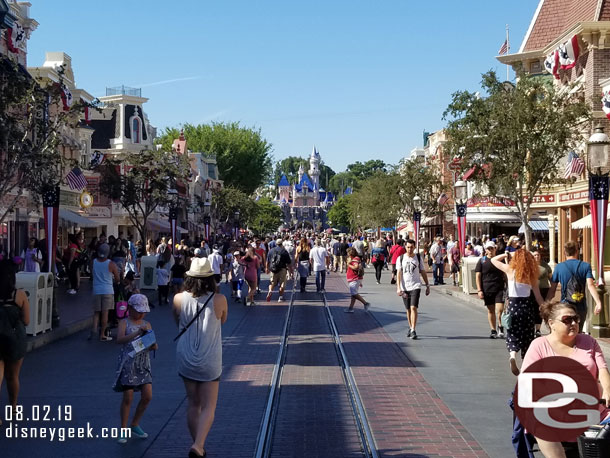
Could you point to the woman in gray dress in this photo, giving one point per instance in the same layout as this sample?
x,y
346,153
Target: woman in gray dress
x,y
199,348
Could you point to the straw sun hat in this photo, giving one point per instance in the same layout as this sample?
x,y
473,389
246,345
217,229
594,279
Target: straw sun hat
x,y
200,268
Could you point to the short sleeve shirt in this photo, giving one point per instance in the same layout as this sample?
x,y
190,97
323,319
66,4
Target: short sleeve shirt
x,y
564,271
410,269
492,278
318,256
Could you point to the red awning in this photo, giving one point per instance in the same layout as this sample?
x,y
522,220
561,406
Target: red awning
x,y
400,228
468,175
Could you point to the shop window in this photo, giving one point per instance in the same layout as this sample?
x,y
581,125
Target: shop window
x,y
136,130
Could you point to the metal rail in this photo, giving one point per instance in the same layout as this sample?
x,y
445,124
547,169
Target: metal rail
x,y
362,422
265,435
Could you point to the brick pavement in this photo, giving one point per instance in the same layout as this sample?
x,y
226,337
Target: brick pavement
x,y
249,355
315,417
406,415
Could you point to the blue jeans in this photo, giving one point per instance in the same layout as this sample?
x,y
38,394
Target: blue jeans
x,y
320,279
438,273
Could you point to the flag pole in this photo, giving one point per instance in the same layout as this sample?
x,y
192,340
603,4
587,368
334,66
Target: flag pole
x,y
507,52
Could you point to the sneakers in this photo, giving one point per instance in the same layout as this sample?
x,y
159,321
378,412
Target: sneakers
x,y
378,282
366,306
138,432
281,299
409,333
322,291
493,334
413,335
122,439
71,291
501,333
348,310
269,297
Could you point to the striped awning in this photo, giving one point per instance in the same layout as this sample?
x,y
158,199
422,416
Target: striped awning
x,y
537,226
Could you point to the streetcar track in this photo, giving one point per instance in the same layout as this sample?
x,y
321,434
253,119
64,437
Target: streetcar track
x,y
266,432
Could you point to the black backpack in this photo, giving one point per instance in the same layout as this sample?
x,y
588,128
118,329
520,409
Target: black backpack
x,y
275,263
575,289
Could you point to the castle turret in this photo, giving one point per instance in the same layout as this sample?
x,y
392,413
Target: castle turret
x,y
301,172
314,169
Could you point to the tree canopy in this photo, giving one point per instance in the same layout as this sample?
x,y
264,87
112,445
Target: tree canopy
x,y
516,136
141,182
242,154
339,214
267,217
290,167
32,122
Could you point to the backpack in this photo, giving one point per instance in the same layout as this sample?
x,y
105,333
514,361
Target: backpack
x,y
360,270
419,261
275,263
378,257
575,289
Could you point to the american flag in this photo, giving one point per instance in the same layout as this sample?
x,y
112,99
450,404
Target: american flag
x,y
504,48
76,179
574,166
442,199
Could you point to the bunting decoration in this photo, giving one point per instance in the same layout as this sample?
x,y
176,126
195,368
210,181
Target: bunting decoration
x,y
96,159
460,210
416,223
206,226
564,56
15,38
551,64
568,53
606,104
173,221
598,192
66,96
50,203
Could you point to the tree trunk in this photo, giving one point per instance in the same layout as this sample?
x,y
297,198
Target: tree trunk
x,y
528,230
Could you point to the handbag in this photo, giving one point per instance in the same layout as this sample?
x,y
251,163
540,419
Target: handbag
x,y
121,308
506,319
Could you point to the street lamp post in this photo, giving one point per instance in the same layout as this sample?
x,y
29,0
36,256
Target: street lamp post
x,y
173,215
597,149
416,220
460,210
236,221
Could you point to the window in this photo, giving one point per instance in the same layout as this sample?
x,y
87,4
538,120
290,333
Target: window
x,y
135,130
212,171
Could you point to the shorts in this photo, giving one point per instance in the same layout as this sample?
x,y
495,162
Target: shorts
x,y
103,302
411,298
353,287
493,298
177,281
278,277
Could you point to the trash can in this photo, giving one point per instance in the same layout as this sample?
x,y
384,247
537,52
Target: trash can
x,y
35,286
48,304
469,276
148,272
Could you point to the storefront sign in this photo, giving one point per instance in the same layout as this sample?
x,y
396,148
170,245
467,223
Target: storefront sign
x,y
489,202
576,195
542,199
69,199
99,212
7,199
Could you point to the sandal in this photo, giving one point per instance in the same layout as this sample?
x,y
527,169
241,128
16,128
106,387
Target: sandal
x,y
513,366
193,454
105,339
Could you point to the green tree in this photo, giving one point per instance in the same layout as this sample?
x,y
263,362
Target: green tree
x,y
376,203
242,154
142,182
339,214
289,167
228,200
362,171
516,136
31,128
340,181
266,218
416,178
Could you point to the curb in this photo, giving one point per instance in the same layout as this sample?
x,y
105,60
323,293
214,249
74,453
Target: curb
x,y
476,301
46,338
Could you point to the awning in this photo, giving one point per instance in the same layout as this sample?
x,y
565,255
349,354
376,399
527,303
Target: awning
x,y
80,221
402,227
492,217
163,226
585,223
536,226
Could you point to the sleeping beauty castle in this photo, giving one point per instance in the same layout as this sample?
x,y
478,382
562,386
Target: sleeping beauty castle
x,y
304,203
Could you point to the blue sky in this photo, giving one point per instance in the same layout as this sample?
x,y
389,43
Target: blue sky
x,y
359,79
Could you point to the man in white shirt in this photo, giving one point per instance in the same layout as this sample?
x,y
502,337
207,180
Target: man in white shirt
x,y
410,270
318,257
216,262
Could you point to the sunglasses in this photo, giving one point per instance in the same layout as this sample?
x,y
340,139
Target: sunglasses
x,y
570,319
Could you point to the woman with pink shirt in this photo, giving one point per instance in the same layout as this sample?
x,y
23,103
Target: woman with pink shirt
x,y
565,340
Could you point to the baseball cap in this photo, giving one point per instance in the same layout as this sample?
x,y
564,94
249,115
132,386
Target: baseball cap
x,y
490,244
236,253
198,252
103,250
279,242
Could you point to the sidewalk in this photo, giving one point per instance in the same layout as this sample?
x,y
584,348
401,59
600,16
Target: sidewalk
x,y
456,291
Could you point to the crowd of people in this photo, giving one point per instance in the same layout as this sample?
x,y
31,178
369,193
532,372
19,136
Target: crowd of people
x,y
515,285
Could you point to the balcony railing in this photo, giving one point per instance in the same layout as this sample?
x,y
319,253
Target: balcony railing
x,y
124,90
